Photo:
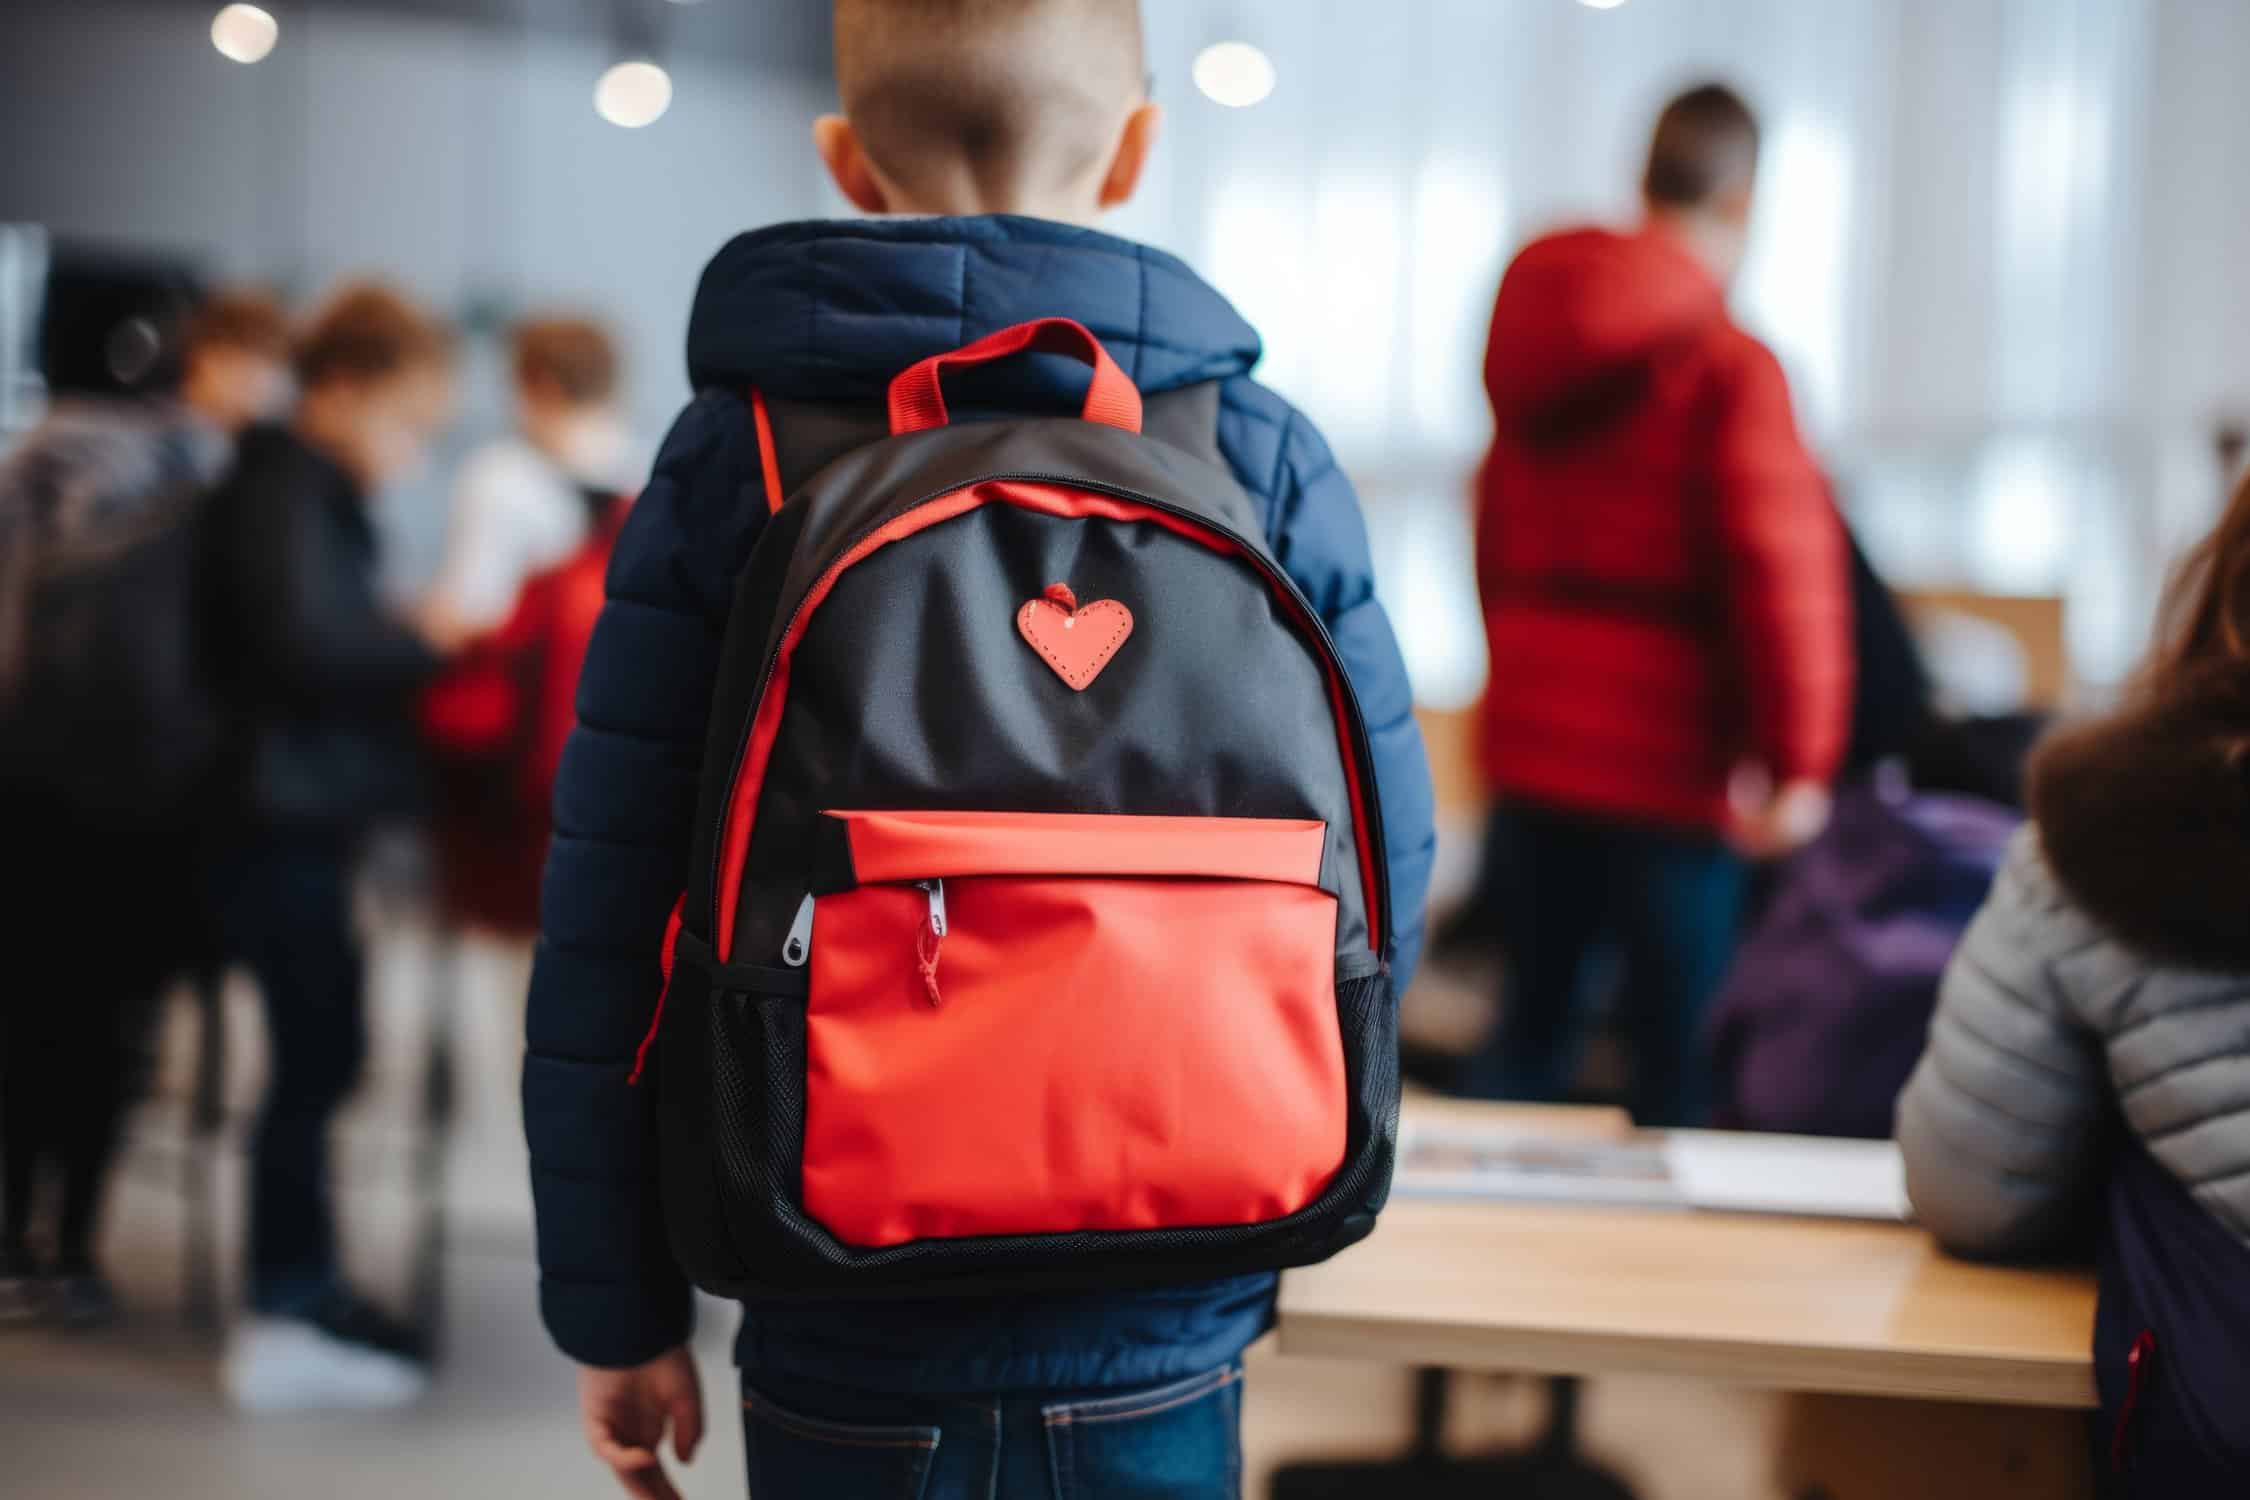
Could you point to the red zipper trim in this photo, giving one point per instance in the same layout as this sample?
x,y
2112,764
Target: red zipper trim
x,y
1048,498
2141,1363
665,957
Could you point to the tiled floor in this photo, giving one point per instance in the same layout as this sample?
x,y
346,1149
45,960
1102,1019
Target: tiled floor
x,y
137,1412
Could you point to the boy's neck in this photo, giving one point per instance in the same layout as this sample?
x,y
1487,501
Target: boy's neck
x,y
1080,216
958,194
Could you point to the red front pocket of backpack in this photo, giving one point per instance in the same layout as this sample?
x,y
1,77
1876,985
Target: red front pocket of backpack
x,y
1036,1023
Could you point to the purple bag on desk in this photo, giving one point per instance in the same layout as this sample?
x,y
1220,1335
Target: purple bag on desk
x,y
1828,1003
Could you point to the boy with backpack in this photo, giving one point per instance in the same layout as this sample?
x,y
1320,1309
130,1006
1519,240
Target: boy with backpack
x,y
998,1138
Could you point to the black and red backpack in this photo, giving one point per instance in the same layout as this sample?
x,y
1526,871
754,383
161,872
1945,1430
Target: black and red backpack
x,y
1035,926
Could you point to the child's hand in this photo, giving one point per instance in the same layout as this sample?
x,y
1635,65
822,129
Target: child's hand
x,y
1772,822
441,627
626,1412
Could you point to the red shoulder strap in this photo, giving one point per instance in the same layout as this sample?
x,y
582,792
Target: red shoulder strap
x,y
766,458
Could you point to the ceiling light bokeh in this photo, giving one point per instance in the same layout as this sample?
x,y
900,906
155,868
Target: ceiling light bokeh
x,y
1235,74
633,94
244,33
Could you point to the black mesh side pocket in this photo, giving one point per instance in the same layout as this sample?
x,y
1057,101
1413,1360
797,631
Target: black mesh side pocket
x,y
758,1107
1367,1017
732,1104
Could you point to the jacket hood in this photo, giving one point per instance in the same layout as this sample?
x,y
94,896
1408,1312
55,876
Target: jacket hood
x,y
830,310
1582,311
2145,819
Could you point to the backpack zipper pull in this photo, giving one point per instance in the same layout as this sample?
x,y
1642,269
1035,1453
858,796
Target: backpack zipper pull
x,y
928,940
797,947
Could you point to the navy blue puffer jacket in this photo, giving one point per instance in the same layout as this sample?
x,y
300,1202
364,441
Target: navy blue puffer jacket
x,y
831,311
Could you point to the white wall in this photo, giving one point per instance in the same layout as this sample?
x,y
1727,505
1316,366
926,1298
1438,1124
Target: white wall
x,y
464,162
1999,244
1998,249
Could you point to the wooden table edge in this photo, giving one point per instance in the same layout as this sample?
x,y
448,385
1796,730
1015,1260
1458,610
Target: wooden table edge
x,y
1951,1376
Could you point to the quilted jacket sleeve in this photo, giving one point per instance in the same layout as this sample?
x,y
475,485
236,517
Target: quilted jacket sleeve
x,y
2003,1122
1321,538
624,806
1787,573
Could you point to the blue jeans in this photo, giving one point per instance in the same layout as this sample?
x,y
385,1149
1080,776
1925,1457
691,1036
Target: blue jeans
x,y
1177,1441
1572,886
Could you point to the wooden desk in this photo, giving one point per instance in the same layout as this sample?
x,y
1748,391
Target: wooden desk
x,y
1788,1304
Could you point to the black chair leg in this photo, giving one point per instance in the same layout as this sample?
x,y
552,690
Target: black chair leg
x,y
1551,1469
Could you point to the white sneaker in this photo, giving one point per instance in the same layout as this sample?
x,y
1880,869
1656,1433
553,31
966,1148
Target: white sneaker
x,y
288,1364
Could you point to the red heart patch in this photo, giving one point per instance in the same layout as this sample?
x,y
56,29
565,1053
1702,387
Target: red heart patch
x,y
1077,640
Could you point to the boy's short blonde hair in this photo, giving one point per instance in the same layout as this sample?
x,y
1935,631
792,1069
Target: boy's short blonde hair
x,y
1022,95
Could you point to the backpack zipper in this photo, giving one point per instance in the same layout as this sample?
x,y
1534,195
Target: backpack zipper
x,y
1356,723
930,939
796,949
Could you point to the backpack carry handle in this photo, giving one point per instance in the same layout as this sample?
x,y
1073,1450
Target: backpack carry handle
x,y
917,404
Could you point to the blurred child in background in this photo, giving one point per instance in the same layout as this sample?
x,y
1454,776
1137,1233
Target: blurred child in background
x,y
2088,1072
1667,606
318,677
526,501
108,738
534,517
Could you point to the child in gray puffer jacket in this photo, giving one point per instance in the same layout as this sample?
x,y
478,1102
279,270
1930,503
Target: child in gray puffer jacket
x,y
2087,1079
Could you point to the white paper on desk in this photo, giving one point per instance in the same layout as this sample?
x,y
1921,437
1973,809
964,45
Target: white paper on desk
x,y
1734,1172
1450,1160
1717,1171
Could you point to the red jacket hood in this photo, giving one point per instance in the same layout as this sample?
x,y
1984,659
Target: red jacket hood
x,y
1577,306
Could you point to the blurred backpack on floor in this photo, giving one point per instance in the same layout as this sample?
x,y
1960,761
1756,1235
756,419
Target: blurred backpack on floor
x,y
1828,1004
495,723
105,708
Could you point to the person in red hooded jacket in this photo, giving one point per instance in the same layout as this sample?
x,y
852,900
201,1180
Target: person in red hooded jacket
x,y
1667,602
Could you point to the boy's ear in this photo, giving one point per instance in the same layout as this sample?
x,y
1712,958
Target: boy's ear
x,y
1134,143
838,145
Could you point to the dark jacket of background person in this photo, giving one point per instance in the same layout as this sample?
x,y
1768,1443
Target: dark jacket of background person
x,y
316,672
1664,576
1891,692
830,312
105,740
2088,1070
97,570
